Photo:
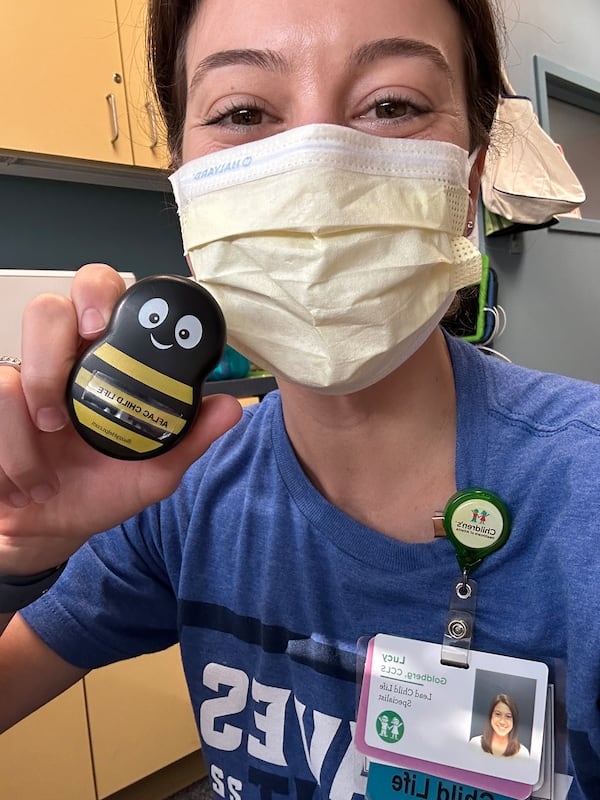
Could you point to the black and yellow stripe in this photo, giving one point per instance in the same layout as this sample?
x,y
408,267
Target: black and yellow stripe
x,y
121,401
108,428
144,374
104,407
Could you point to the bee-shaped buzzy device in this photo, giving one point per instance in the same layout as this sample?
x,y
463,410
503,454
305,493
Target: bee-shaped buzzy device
x,y
135,391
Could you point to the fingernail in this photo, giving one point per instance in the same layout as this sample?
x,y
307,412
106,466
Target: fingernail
x,y
42,493
50,419
18,500
92,321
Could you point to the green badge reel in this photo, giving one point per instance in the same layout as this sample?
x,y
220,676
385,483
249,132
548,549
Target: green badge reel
x,y
477,523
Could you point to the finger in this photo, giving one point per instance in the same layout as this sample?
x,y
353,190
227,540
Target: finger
x,y
49,345
24,473
52,326
218,414
95,290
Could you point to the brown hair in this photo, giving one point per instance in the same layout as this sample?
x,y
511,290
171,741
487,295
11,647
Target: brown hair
x,y
513,746
170,20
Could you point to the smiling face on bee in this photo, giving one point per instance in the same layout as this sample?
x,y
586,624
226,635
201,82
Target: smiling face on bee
x,y
171,326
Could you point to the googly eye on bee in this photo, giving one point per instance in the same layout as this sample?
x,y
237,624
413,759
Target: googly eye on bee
x,y
135,391
188,329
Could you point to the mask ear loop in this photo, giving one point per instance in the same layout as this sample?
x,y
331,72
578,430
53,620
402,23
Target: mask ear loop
x,y
473,225
497,311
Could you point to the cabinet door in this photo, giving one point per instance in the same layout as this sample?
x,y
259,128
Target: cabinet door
x,y
148,140
140,719
61,86
47,755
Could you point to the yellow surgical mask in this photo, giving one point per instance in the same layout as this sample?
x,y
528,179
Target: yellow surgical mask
x,y
333,253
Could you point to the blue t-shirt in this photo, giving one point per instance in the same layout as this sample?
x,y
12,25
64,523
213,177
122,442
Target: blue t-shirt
x,y
268,587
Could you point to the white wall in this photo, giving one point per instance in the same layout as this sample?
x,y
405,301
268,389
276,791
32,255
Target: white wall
x,y
551,291
565,31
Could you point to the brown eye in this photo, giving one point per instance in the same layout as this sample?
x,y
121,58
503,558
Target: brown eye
x,y
391,109
246,116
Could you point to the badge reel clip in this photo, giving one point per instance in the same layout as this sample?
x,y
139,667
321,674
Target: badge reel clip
x,y
477,524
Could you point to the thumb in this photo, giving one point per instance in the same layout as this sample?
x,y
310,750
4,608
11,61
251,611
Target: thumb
x,y
218,413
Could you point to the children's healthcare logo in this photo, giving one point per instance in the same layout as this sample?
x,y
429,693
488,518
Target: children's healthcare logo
x,y
390,727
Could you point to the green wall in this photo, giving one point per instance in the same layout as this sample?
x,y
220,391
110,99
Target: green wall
x,y
62,225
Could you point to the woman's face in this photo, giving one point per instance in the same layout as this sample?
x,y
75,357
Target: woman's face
x,y
391,68
502,719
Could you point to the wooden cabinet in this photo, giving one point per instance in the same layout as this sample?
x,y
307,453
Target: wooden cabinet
x,y
148,139
61,85
48,754
73,82
140,719
121,725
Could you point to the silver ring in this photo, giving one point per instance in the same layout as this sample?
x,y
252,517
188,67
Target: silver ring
x,y
11,361
463,590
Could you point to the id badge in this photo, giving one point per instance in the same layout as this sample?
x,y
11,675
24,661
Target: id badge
x,y
443,727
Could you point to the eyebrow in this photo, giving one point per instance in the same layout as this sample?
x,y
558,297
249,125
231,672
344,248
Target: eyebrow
x,y
365,54
398,46
264,59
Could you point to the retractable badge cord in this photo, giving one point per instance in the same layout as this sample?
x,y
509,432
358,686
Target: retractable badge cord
x,y
477,523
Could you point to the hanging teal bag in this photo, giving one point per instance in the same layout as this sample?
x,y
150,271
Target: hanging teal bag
x,y
232,365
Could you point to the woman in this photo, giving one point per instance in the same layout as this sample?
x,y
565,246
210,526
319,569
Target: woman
x,y
308,523
500,737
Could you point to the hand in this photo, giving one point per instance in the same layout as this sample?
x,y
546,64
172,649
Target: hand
x,y
55,490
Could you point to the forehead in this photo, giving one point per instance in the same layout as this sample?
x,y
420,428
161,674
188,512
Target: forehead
x,y
321,34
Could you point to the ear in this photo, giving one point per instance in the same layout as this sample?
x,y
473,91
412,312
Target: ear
x,y
474,184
